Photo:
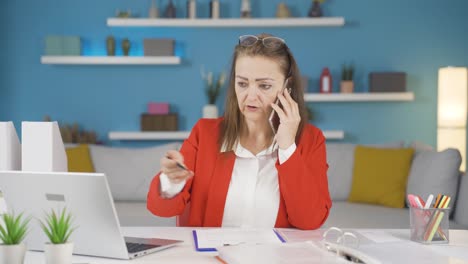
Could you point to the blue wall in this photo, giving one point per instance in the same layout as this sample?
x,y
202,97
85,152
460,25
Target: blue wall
x,y
417,37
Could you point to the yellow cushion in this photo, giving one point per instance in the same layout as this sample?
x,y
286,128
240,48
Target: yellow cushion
x,y
380,175
79,159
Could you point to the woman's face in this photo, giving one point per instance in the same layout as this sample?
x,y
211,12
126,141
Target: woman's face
x,y
258,82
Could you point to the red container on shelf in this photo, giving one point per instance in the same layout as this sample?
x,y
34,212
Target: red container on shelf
x,y
326,81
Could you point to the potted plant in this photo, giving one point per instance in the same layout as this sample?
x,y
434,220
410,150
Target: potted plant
x,y
57,227
12,233
347,75
212,90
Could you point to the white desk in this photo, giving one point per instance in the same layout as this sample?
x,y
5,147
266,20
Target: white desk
x,y
185,253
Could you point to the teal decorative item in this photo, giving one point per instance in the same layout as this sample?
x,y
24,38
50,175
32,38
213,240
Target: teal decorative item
x,y
53,45
110,46
71,46
125,46
62,45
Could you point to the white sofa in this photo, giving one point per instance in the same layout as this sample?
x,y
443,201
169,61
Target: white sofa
x,y
130,171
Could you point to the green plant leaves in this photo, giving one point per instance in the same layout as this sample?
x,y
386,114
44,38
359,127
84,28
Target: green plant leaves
x,y
14,229
347,72
213,89
57,226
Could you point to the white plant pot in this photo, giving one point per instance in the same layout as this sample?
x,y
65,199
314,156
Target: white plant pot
x,y
210,111
58,253
12,254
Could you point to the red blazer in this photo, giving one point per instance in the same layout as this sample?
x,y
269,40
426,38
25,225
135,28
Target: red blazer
x,y
304,199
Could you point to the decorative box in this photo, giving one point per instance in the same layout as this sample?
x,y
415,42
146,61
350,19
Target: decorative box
x,y
387,82
158,108
158,47
151,122
63,45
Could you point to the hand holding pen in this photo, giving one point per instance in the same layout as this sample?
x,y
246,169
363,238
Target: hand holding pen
x,y
173,166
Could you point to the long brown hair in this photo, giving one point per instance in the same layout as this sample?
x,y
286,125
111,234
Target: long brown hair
x,y
233,119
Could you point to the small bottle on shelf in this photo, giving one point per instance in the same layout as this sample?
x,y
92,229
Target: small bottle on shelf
x,y
153,11
191,9
325,81
214,9
246,12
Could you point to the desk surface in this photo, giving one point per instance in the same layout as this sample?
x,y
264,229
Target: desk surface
x,y
185,253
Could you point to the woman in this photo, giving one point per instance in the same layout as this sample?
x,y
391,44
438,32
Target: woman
x,y
235,171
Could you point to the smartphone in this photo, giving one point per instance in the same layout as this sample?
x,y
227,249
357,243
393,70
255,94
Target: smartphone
x,y
274,118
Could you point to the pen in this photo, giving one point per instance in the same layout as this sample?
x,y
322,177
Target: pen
x,y
429,201
178,164
418,200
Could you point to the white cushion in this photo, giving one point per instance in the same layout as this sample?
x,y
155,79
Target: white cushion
x,y
129,171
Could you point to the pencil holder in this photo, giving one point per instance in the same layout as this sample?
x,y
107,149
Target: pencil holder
x,y
429,226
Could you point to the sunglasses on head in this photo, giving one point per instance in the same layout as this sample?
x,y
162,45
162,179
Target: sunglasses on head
x,y
268,42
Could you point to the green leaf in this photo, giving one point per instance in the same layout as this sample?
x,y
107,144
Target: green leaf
x,y
14,229
58,226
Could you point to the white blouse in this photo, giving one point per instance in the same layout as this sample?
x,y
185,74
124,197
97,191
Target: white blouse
x,y
253,195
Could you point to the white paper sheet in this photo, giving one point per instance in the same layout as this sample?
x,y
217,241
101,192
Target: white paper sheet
x,y
379,236
287,253
213,238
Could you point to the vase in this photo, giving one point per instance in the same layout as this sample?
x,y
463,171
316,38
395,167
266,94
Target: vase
x,y
191,9
214,9
170,11
315,10
210,111
153,11
346,86
12,254
58,253
125,46
282,11
246,11
110,45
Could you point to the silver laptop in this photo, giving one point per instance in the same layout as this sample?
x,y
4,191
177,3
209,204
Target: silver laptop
x,y
87,196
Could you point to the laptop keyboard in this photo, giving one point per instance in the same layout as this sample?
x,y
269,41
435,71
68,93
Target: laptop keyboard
x,y
136,247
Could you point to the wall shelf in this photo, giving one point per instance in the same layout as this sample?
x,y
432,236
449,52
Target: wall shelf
x,y
359,97
181,135
227,22
111,60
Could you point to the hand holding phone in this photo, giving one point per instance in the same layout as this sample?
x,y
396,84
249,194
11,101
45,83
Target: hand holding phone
x,y
274,119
